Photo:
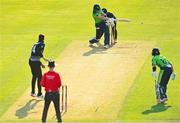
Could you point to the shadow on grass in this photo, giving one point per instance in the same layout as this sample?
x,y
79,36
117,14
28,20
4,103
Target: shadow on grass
x,y
23,111
95,50
157,108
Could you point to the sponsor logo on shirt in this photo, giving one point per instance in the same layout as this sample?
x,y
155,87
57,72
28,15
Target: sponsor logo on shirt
x,y
50,76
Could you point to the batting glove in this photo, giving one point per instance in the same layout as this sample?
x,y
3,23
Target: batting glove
x,y
108,22
111,20
154,74
173,76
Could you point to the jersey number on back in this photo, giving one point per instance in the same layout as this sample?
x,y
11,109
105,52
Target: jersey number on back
x,y
34,48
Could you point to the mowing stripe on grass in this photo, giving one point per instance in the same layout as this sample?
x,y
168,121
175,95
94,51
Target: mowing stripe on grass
x,y
98,81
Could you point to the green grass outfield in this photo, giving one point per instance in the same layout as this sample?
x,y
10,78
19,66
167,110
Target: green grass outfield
x,y
64,21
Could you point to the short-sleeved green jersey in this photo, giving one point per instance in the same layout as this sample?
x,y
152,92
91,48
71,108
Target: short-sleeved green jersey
x,y
160,61
95,16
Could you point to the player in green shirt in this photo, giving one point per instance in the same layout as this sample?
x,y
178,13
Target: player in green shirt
x,y
101,26
166,71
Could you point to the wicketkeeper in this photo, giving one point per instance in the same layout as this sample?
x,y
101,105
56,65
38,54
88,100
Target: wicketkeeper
x,y
101,26
166,71
114,30
35,65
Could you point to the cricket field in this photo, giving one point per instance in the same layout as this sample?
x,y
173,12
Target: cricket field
x,y
104,85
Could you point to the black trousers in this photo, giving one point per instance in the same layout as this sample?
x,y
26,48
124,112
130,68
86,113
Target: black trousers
x,y
101,29
52,96
36,75
166,74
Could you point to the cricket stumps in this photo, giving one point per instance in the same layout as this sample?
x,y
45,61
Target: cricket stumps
x,y
63,99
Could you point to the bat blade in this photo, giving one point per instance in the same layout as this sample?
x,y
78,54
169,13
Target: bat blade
x,y
123,20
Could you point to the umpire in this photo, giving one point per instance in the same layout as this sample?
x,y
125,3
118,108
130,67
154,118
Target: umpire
x,y
52,82
35,65
114,30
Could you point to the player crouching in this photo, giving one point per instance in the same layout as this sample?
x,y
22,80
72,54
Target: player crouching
x,y
166,71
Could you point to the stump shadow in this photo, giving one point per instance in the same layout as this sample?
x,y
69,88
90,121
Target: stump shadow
x,y
95,50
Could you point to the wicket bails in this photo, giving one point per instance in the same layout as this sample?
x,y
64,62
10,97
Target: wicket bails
x,y
63,98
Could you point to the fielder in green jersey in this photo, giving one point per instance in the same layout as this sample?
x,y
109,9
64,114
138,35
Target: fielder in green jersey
x,y
166,71
160,61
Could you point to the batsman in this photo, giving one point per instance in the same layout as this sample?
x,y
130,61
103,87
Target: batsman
x,y
166,71
101,27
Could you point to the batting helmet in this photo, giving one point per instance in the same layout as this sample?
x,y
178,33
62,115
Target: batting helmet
x,y
155,51
96,7
104,10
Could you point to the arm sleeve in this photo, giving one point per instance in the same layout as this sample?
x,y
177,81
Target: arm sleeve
x,y
59,83
153,62
43,82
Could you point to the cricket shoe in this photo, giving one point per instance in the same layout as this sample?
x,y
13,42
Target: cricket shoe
x,y
41,97
33,94
93,40
106,46
164,99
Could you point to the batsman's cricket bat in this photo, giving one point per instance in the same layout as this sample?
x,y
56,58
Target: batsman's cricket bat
x,y
123,20
157,91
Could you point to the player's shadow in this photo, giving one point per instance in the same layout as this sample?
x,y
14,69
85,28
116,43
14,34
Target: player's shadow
x,y
157,108
95,50
23,111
